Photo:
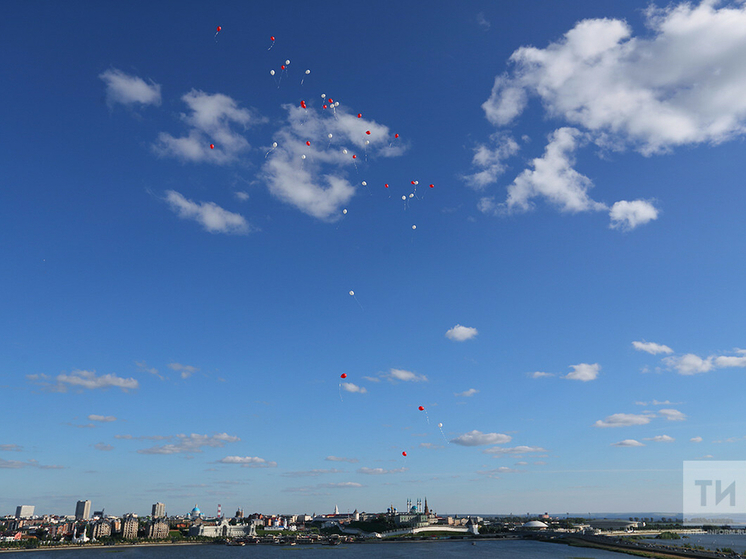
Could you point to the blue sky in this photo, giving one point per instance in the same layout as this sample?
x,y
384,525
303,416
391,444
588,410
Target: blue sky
x,y
566,300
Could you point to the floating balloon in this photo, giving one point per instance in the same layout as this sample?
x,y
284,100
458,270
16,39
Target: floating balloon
x,y
386,185
219,29
367,132
330,135
308,143
364,183
271,72
212,146
354,156
282,67
411,195
344,151
343,375
432,186
323,95
325,106
396,135
416,183
360,115
404,453
308,72
404,198
216,33
274,144
352,293
440,425
414,227
336,104
421,408
331,100
344,211
303,104
287,62
367,142
272,39
412,182
303,156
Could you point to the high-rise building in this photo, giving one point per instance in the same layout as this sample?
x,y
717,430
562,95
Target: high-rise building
x,y
82,510
24,511
159,510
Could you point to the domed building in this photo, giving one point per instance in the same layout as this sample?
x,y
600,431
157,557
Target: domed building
x,y
195,514
534,525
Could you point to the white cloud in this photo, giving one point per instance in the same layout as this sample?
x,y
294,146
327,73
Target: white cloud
x,y
31,463
514,450
495,473
211,121
651,347
341,459
406,376
10,448
380,471
696,439
482,21
691,364
628,443
466,393
184,370
102,418
540,374
584,372
490,161
89,380
128,90
143,366
683,85
350,387
461,333
103,447
188,444
672,415
241,195
477,438
208,214
626,215
314,178
624,420
661,439
723,361
342,485
247,462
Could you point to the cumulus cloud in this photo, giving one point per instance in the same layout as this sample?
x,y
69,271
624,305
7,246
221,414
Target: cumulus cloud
x,y
628,442
696,439
624,420
466,393
691,364
83,380
461,333
405,376
661,439
128,90
651,347
477,438
102,418
584,372
314,178
380,471
680,86
626,215
247,462
187,444
540,374
489,159
350,387
672,415
341,459
514,450
212,217
211,120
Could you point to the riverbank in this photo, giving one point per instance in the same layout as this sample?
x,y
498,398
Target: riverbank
x,y
99,546
652,551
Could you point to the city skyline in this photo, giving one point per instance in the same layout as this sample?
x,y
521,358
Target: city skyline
x,y
523,293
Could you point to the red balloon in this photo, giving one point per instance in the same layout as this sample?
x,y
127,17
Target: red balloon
x,y
432,186
354,156
343,375
212,146
421,408
404,453
396,135
303,104
331,100
325,106
360,115
282,67
272,38
367,132
308,143
412,182
219,29
387,185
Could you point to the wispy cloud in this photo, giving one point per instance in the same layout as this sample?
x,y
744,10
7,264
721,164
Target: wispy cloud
x,y
466,393
628,443
540,374
496,472
129,90
405,376
10,448
482,21
187,444
103,447
477,438
651,347
17,464
672,415
350,387
661,439
380,471
83,380
247,461
212,217
102,418
624,420
514,450
696,439
341,459
461,333
185,371
143,366
490,161
313,473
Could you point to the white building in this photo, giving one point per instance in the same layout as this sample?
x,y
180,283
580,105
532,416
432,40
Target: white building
x,y
24,511
159,510
222,529
82,510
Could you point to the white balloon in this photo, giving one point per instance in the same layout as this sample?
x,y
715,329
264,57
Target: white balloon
x,y
416,183
287,62
344,211
365,183
271,72
336,103
440,425
274,144
323,95
352,293
329,136
403,197
367,142
344,151
411,195
308,72
303,156
414,227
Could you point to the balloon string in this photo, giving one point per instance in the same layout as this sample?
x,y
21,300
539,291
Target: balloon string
x,y
427,417
358,302
340,393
